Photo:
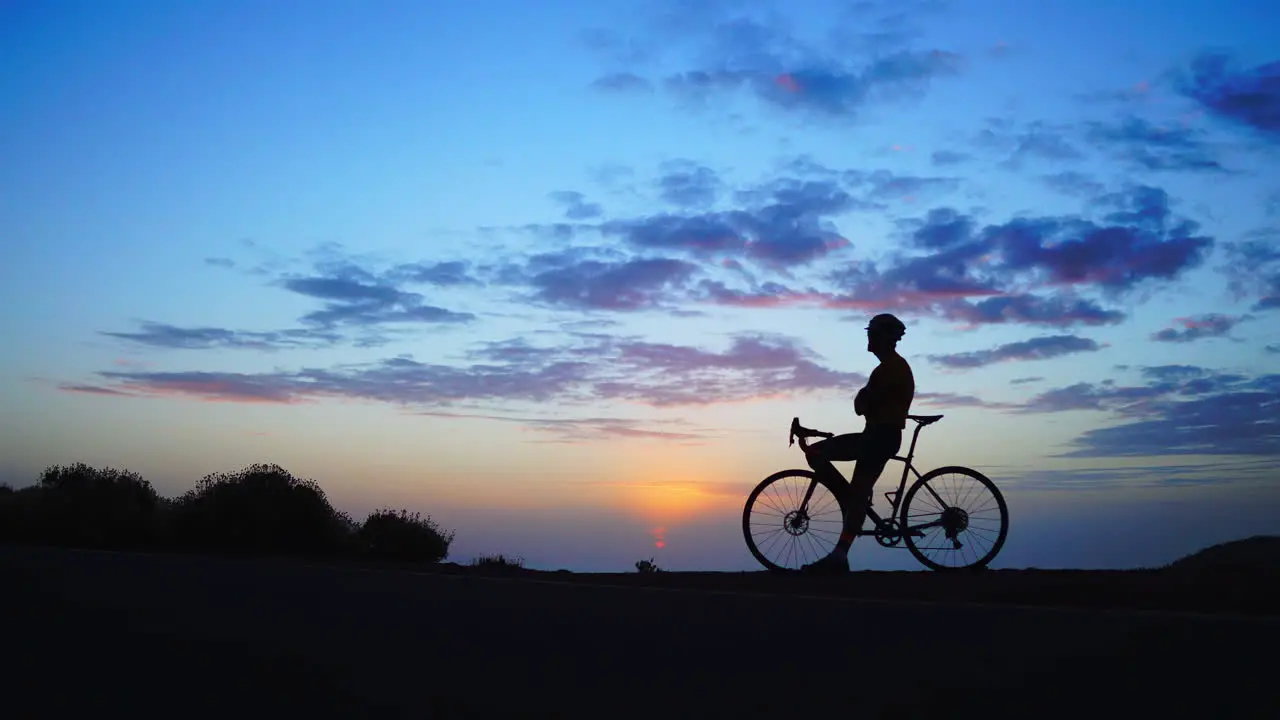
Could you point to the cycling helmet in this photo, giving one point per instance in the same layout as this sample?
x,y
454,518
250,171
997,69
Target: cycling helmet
x,y
888,324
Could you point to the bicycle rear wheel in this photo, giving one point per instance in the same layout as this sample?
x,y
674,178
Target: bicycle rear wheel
x,y
966,518
782,534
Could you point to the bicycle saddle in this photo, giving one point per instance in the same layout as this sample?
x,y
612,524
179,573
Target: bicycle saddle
x,y
925,419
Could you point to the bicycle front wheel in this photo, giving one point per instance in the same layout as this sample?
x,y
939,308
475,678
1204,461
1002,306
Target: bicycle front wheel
x,y
959,519
783,531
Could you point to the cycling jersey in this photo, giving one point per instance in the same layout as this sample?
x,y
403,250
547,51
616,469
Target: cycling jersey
x,y
888,393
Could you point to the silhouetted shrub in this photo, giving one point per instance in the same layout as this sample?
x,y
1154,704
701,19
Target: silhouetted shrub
x,y
17,509
647,566
399,535
498,562
260,509
90,507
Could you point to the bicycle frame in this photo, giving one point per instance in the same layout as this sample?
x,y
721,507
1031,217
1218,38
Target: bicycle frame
x,y
882,527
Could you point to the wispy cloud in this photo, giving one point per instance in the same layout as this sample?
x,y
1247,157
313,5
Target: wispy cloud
x,y
594,368
1179,410
591,429
207,338
725,51
1040,348
1187,329
1156,147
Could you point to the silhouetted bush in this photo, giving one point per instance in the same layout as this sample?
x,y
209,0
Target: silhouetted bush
x,y
399,535
16,510
260,509
647,566
498,562
84,506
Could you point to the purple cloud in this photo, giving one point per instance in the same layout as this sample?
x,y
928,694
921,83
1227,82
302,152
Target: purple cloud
x,y
737,53
1198,327
1247,97
1028,309
639,284
1041,348
594,368
686,184
1150,147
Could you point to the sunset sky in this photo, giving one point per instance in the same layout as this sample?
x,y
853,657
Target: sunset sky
x,y
560,273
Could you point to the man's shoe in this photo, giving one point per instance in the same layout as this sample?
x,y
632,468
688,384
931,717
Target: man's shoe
x,y
835,563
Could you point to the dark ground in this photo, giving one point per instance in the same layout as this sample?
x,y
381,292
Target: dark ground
x,y
141,636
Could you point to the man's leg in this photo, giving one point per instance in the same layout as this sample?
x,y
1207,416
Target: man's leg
x,y
865,474
876,449
841,448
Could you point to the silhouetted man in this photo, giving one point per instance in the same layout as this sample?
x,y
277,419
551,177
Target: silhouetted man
x,y
884,402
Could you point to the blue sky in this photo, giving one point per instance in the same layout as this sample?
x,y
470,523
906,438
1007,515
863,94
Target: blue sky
x,y
560,273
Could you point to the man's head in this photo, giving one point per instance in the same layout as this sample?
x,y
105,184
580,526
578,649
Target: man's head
x,y
883,333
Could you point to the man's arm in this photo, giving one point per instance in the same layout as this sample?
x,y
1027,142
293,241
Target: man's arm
x,y
866,396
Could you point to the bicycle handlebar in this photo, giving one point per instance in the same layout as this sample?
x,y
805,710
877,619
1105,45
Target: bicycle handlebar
x,y
798,430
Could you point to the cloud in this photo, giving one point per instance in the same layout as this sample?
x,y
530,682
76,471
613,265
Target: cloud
x,y
831,88
1029,309
358,305
784,224
591,369
724,53
575,205
883,185
622,82
221,262
686,184
1040,348
355,302
162,335
93,390
1229,423
589,429
630,285
1253,269
1138,243
1070,182
1198,327
948,158
1035,141
946,399
1025,380
1273,349
1141,241
1179,410
1219,471
1248,97
1152,147
207,386
442,274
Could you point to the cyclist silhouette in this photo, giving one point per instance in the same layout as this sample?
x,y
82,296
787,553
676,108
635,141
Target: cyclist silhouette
x,y
884,402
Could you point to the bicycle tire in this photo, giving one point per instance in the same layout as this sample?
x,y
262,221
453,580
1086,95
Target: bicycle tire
x,y
911,541
755,494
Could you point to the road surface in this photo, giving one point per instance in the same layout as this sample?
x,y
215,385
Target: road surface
x,y
141,636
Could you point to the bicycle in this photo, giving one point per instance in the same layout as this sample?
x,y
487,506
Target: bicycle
x,y
801,522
